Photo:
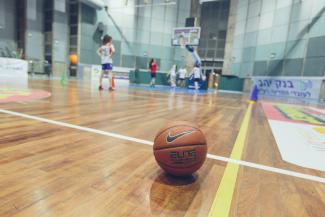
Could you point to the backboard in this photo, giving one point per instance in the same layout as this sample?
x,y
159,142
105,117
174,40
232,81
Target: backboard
x,y
186,35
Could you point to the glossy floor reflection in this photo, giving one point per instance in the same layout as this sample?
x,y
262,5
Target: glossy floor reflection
x,y
52,170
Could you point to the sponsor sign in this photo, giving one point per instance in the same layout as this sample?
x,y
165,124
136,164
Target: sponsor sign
x,y
303,88
299,133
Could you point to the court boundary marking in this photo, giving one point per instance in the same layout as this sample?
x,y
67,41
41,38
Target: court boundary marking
x,y
146,142
223,198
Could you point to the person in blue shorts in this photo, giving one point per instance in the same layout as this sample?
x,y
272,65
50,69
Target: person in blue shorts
x,y
106,52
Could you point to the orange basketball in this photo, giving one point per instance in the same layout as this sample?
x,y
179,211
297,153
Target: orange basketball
x,y
73,59
180,148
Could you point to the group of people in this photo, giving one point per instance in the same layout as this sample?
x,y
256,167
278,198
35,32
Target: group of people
x,y
173,73
107,50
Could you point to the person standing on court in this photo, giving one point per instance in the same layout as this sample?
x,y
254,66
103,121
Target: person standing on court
x,y
197,74
172,74
106,52
182,74
153,67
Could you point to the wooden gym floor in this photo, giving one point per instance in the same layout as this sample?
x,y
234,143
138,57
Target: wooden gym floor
x,y
76,153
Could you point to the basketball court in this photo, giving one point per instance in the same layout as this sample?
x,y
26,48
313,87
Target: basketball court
x,y
68,149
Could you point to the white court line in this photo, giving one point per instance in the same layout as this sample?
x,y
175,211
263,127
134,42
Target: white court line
x,y
146,142
78,127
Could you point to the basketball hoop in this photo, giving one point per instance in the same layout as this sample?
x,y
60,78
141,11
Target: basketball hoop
x,y
183,36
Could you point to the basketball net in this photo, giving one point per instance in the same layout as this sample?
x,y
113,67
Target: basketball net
x,y
181,41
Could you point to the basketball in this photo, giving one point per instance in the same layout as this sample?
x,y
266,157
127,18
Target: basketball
x,y
73,59
180,148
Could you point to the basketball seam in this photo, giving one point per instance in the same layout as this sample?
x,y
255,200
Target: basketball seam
x,y
176,126
181,145
202,161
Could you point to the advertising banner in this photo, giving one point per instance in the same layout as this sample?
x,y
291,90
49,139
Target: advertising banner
x,y
299,132
303,88
13,72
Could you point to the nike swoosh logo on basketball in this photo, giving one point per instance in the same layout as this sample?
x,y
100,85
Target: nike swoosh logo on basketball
x,y
171,138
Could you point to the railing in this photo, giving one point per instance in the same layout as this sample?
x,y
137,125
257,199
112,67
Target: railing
x,y
39,67
6,52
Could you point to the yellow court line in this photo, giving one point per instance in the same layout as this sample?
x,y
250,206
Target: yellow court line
x,y
222,201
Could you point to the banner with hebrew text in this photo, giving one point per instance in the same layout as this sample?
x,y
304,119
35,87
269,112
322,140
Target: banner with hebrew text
x,y
303,88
